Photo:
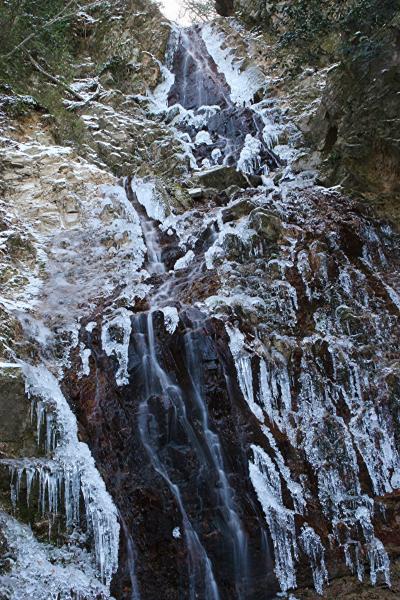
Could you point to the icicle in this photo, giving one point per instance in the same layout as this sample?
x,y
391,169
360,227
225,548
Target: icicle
x,y
378,561
243,368
250,161
313,548
266,482
70,473
295,489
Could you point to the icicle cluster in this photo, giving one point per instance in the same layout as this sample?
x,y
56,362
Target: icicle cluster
x,y
331,374
67,479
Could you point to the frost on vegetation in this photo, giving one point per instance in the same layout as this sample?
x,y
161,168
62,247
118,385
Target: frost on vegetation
x,y
267,484
171,318
115,337
68,476
243,83
313,548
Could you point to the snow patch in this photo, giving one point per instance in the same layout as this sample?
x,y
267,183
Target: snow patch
x,y
184,262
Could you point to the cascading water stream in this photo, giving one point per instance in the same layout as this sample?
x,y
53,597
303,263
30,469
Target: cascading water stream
x,y
200,88
131,559
206,446
197,83
226,499
201,576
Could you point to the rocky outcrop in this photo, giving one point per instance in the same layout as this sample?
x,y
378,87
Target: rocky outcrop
x,y
353,127
355,110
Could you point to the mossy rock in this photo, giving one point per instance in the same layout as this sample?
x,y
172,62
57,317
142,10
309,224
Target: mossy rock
x,y
17,438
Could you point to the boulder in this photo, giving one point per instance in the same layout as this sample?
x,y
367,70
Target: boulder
x,y
222,177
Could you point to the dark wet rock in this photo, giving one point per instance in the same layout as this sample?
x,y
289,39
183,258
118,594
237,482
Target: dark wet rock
x,y
109,418
267,224
16,436
196,193
237,210
223,177
195,87
225,8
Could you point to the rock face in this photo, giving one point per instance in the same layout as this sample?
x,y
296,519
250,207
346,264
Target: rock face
x,y
351,122
360,151
199,367
225,8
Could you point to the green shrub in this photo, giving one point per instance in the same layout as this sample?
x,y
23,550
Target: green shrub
x,y
18,20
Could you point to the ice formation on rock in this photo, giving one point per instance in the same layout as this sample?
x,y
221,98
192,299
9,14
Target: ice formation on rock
x,y
171,318
115,336
313,548
266,481
69,473
44,571
243,83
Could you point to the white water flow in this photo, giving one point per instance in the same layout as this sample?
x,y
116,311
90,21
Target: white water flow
x,y
131,555
225,492
154,262
224,128
206,444
199,80
201,576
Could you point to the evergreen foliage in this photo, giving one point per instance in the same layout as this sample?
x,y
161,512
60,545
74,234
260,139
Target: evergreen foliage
x,y
19,19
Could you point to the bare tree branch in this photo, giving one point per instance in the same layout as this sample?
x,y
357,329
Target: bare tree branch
x,y
54,79
61,16
200,10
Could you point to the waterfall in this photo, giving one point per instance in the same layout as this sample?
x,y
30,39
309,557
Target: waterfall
x,y
212,109
220,383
